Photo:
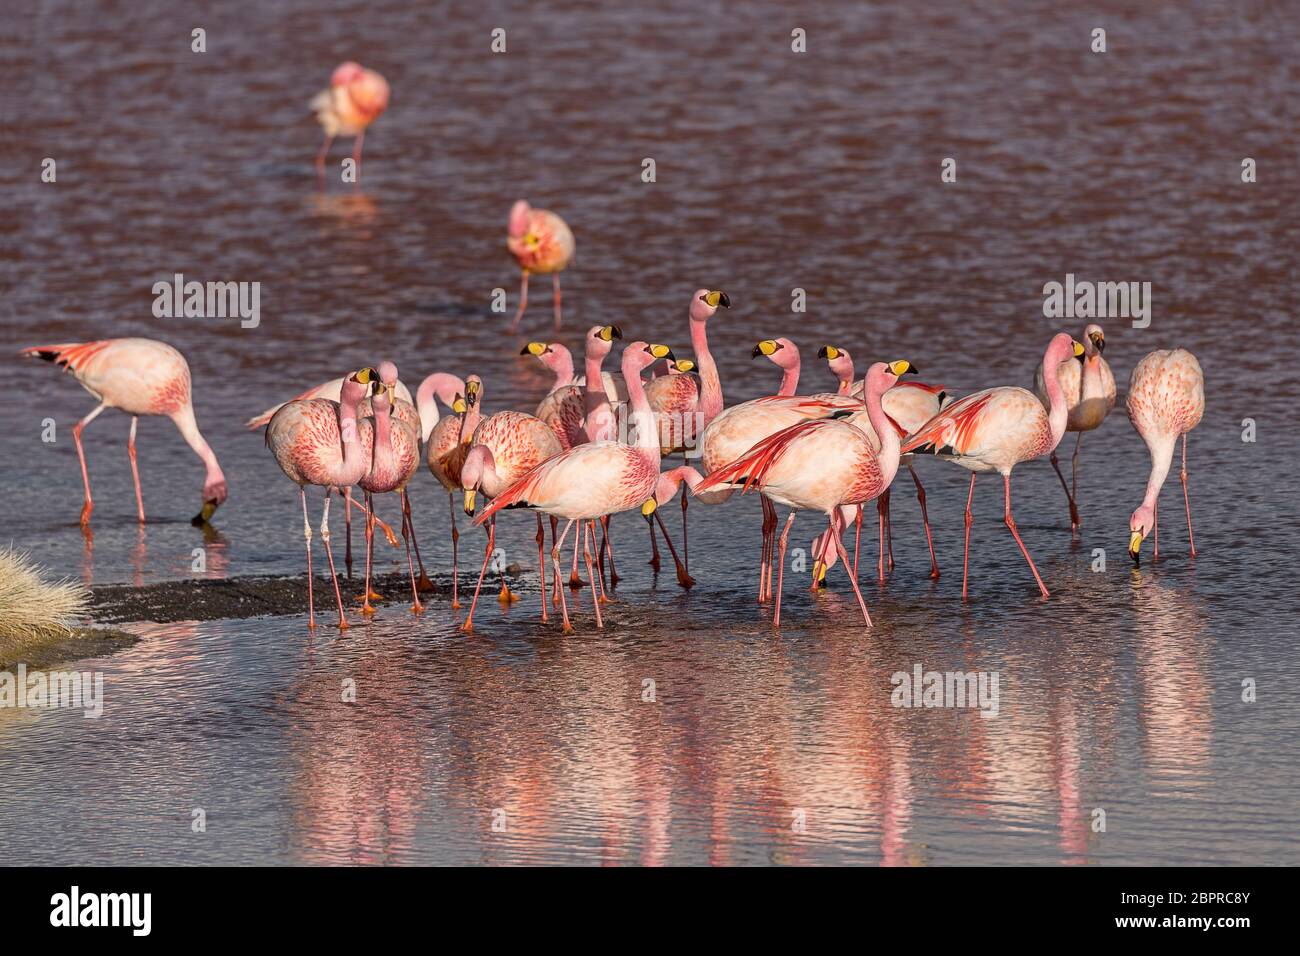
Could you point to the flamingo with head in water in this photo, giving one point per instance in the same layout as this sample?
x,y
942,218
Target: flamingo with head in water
x,y
541,242
141,377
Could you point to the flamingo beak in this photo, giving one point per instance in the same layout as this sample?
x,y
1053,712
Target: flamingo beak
x,y
828,352
648,509
469,501
1099,342
205,514
1134,546
471,394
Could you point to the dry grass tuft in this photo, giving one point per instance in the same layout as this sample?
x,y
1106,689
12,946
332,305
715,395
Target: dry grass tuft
x,y
34,611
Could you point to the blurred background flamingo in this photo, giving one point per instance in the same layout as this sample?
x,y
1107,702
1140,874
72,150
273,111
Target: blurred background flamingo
x,y
355,98
541,242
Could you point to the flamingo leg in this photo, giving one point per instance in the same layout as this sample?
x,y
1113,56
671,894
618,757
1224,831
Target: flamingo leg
x,y
1074,480
880,517
347,524
889,531
555,581
599,580
424,583
970,519
834,531
416,606
607,547
367,608
306,533
1011,523
780,571
356,158
1187,503
555,566
487,554
764,560
1074,512
135,470
1155,530
683,578
89,506
320,159
541,562
455,555
505,596
555,284
925,519
589,533
575,581
325,536
686,544
857,539
654,548
523,299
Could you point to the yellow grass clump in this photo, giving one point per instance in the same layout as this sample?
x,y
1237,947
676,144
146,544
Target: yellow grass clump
x,y
34,611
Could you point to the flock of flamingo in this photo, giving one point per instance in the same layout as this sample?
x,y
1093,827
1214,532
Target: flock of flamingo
x,y
595,445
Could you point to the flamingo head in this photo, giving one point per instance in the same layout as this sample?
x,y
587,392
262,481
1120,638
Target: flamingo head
x,y
600,340
367,89
641,355
882,376
521,217
839,360
783,353
358,385
1062,348
473,390
1140,524
346,73
704,303
1094,339
471,475
553,355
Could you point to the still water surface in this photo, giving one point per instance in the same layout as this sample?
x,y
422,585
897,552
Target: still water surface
x,y
775,171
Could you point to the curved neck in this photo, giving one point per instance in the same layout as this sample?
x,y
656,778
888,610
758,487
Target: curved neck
x,y
189,430
846,380
1056,407
441,386
595,380
469,421
710,386
352,453
885,431
789,380
381,453
1162,456
641,417
563,368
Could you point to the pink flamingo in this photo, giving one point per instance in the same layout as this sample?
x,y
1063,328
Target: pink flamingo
x,y
391,444
331,391
438,387
141,377
823,465
1089,390
445,453
596,478
1166,399
315,441
685,404
356,97
504,448
541,242
996,429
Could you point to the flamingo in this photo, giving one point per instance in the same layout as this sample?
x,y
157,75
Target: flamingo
x,y
445,453
391,444
541,242
685,404
141,377
315,442
1166,399
564,408
1090,395
823,465
503,448
909,405
596,478
996,429
438,387
356,97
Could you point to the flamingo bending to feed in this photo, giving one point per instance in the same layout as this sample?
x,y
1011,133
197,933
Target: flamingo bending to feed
x,y
1166,399
541,242
445,453
316,442
356,97
908,405
823,465
685,404
1090,395
504,448
391,443
597,478
996,429
141,377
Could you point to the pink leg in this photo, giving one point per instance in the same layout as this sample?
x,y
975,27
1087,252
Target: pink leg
x,y
1187,501
857,540
1155,530
608,548
541,562
135,471
780,570
424,584
555,566
970,519
765,554
347,524
683,578
889,531
89,506
455,555
925,518
320,160
834,531
575,581
356,158
416,606
1011,523
555,282
686,543
366,607
306,533
880,516
1074,480
654,548
1074,512
523,299
589,534
325,536
487,555
555,583
600,574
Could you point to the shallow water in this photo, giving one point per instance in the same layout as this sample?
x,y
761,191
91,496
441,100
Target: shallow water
x,y
775,171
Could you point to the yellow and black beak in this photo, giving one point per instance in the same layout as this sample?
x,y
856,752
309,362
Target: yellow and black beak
x,y
716,299
471,393
610,332
365,376
533,348
1134,547
469,501
903,367
1098,342
648,509
685,365
1079,350
458,406
661,351
829,352
765,347
205,514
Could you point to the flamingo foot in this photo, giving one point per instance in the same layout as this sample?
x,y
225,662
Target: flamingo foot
x,y
576,582
417,608
86,509
367,609
507,596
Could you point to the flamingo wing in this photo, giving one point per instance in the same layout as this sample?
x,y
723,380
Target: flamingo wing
x,y
954,429
752,468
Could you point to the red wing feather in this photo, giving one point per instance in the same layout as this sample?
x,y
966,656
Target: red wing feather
x,y
754,465
962,416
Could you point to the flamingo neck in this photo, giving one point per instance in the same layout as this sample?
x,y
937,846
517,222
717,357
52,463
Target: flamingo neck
x,y
1056,407
710,386
382,447
354,465
887,456
442,386
1162,456
563,368
189,429
846,380
641,417
595,379
789,380
469,421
